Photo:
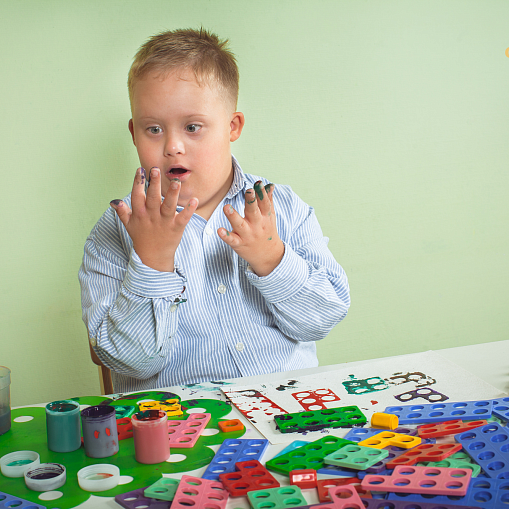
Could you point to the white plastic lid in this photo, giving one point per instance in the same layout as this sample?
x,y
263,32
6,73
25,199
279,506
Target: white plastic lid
x,y
99,477
45,477
14,464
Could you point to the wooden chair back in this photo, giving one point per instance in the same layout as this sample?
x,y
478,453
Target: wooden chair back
x,y
104,373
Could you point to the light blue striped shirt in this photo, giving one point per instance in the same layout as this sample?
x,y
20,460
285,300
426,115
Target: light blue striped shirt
x,y
233,323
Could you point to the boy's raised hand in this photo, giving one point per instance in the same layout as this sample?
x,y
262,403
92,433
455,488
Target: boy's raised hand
x,y
254,237
154,227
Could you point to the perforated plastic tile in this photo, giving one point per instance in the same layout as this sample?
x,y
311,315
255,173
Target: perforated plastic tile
x,y
489,447
163,489
340,417
483,493
10,501
425,452
234,450
427,480
199,493
355,456
433,430
136,498
184,434
249,476
440,412
308,456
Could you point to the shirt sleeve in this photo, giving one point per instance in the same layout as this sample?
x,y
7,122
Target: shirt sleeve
x,y
308,292
129,309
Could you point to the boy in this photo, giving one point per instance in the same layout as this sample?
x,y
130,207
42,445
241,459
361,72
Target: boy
x,y
202,272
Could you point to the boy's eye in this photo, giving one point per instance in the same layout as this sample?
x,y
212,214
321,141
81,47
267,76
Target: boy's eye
x,y
155,130
192,128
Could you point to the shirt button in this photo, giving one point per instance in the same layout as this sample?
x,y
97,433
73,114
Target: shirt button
x,y
221,289
208,230
173,308
93,341
239,346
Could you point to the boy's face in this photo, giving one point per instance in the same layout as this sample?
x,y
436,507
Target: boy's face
x,y
185,129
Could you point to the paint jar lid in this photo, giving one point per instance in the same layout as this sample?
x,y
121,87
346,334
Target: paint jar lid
x,y
99,477
45,477
14,464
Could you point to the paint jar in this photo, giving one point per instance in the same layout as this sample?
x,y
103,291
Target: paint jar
x,y
63,426
5,400
151,441
100,436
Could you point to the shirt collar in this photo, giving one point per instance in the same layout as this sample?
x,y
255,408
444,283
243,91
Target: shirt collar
x,y
239,179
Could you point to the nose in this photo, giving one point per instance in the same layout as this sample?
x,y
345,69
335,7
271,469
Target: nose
x,y
174,145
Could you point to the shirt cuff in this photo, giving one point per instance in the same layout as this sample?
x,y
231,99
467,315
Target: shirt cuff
x,y
285,280
150,283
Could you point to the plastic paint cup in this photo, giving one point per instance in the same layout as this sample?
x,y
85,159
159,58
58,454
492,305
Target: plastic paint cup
x,y
99,477
5,400
45,477
100,436
151,440
63,426
15,463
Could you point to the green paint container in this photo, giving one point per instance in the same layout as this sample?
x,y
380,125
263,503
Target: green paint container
x,y
5,400
63,426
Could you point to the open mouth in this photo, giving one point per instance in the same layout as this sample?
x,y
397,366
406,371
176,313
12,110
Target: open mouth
x,y
178,171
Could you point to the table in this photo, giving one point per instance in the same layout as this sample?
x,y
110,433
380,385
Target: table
x,y
487,361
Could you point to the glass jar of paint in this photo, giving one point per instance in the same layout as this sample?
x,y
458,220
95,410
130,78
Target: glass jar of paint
x,y
151,441
100,436
63,426
5,400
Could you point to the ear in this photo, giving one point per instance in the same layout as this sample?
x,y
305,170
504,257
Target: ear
x,y
131,130
236,125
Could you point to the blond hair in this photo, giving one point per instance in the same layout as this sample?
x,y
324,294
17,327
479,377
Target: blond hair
x,y
199,50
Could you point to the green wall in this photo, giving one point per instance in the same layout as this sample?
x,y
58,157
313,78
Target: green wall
x,y
390,118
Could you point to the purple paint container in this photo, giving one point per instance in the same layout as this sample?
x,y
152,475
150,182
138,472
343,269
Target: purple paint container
x,y
100,436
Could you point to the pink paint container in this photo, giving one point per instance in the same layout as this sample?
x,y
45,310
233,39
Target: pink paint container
x,y
151,441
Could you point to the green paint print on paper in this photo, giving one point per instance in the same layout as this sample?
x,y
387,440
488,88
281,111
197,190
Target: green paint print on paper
x,y
372,384
31,435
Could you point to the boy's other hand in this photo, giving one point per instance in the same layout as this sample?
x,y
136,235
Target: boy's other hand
x,y
254,237
154,227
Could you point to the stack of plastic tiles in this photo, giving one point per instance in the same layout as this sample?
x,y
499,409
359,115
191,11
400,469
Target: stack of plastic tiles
x,y
341,417
489,447
184,434
234,450
250,476
199,493
440,412
308,456
432,481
